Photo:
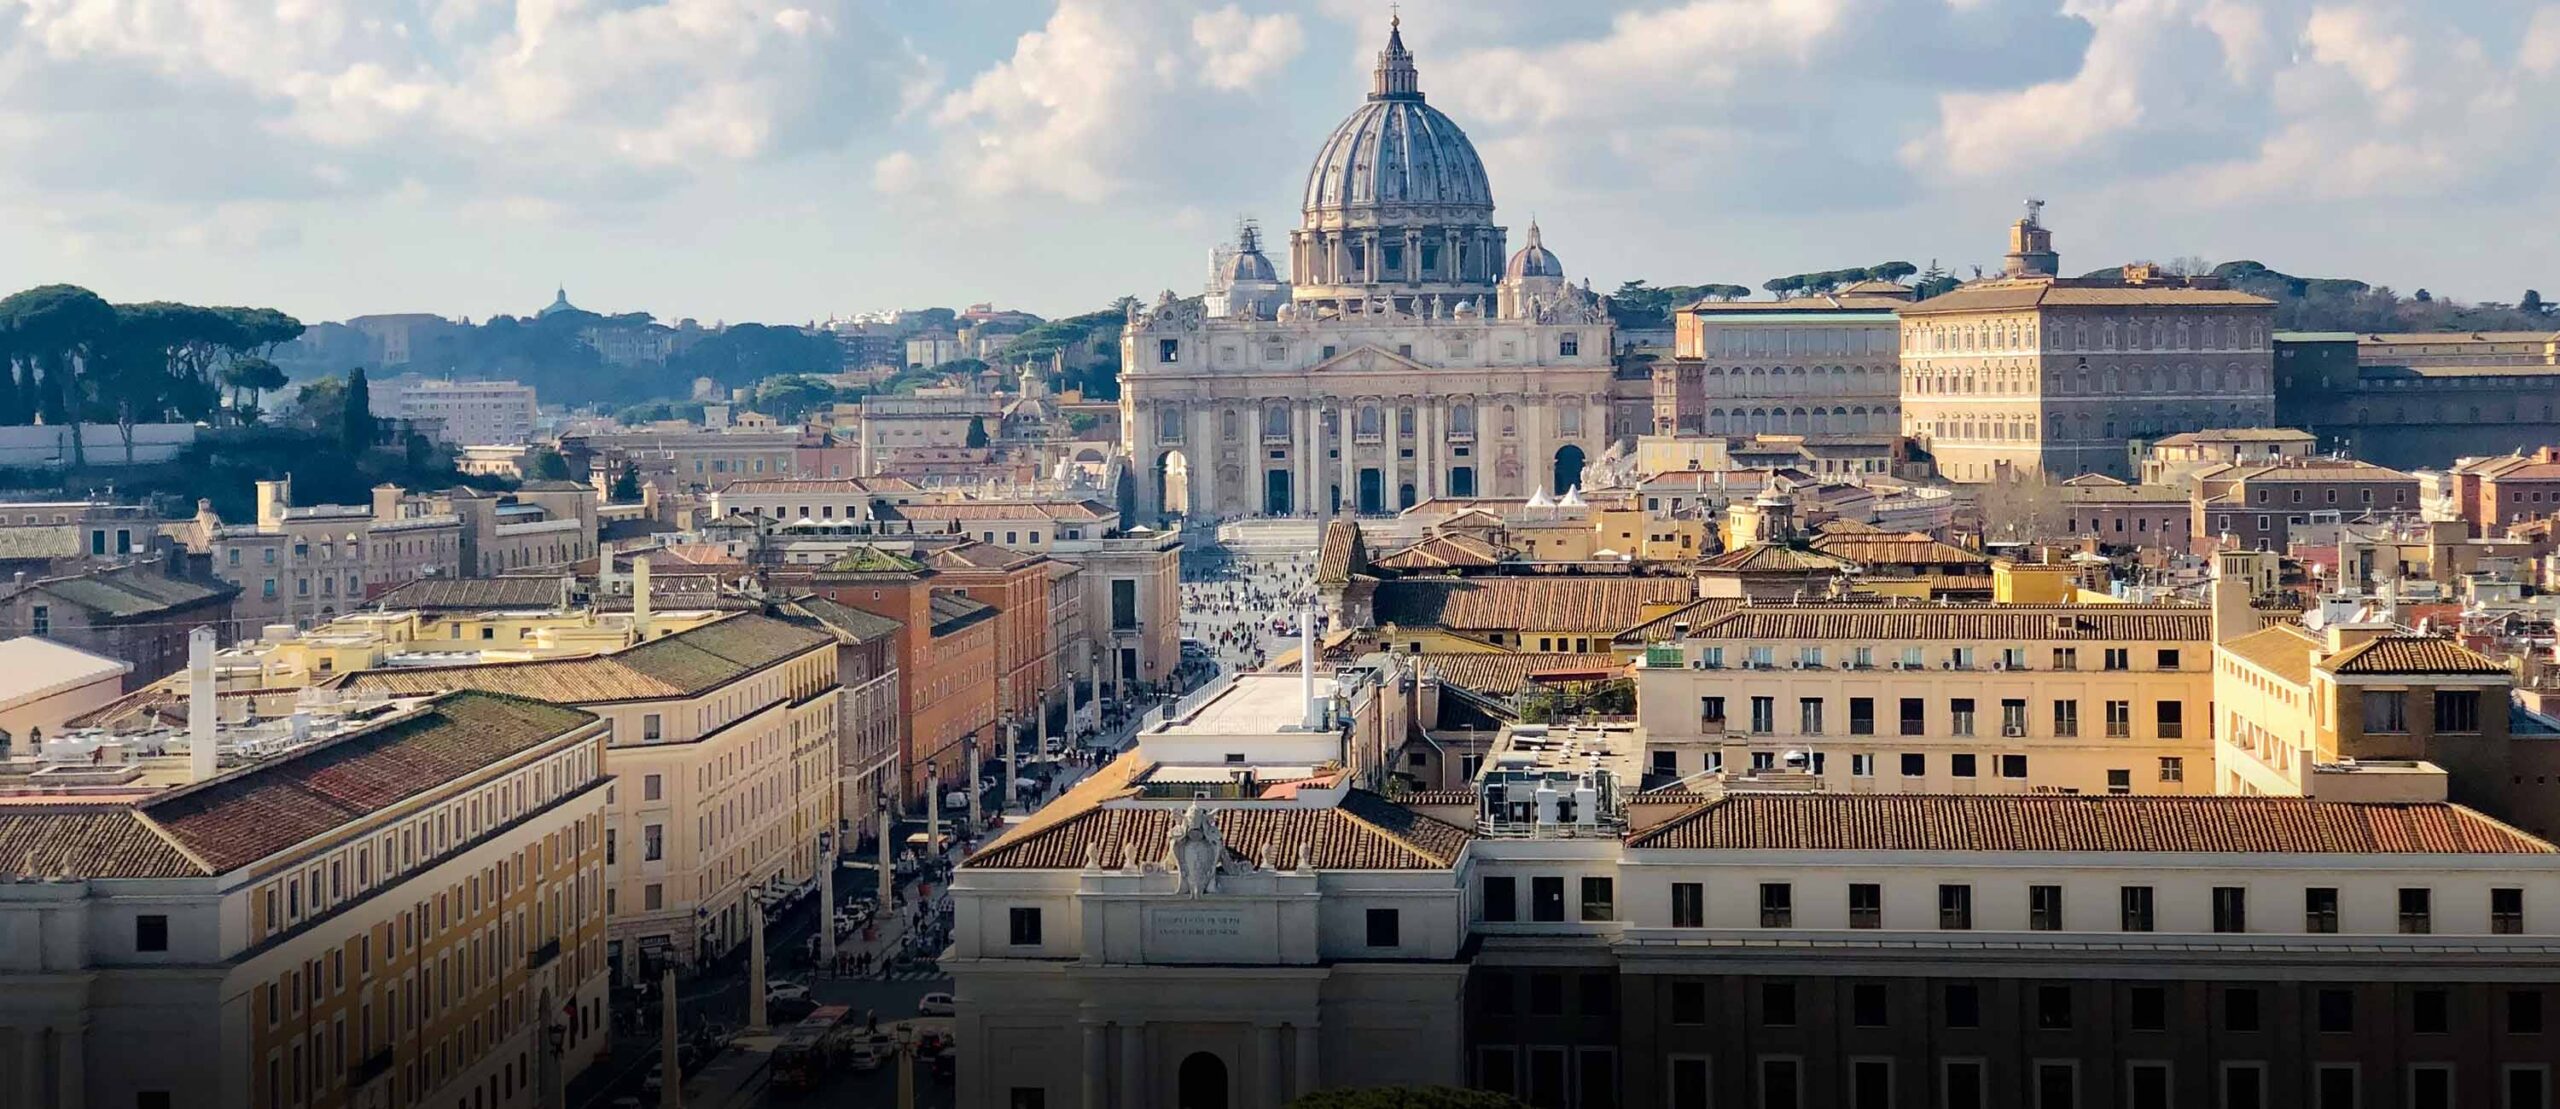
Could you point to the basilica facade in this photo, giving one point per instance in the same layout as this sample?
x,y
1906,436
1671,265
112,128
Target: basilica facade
x,y
1407,354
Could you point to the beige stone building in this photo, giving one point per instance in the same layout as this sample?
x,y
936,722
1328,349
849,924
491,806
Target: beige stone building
x,y
302,564
725,763
1404,359
1814,365
404,913
1899,698
2031,371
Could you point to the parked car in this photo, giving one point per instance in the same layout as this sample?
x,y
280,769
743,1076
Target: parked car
x,y
935,1005
785,991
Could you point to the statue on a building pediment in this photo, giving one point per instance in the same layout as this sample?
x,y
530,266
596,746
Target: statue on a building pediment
x,y
1197,850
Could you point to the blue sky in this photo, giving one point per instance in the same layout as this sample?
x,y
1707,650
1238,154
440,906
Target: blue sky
x,y
792,159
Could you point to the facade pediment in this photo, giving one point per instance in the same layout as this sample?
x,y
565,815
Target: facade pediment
x,y
1367,358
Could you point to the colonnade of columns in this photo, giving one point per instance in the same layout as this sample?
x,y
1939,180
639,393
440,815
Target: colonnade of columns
x,y
1323,465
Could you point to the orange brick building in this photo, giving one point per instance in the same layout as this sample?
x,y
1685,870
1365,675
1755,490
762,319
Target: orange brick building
x,y
947,658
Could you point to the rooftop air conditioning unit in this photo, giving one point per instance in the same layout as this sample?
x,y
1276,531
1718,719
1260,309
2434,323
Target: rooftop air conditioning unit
x,y
2002,665
1698,664
1950,664
1898,664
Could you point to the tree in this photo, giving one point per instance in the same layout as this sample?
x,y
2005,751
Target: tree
x,y
355,416
2422,296
547,465
977,431
790,398
2531,302
1892,271
56,328
1406,1097
1781,286
626,488
248,378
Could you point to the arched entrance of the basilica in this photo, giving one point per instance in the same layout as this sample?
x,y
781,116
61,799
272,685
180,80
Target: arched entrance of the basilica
x,y
1173,484
1568,467
1373,491
1201,1083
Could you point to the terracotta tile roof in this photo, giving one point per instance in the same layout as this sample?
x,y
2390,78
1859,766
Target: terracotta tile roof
x,y
1999,294
1514,604
2411,654
974,555
1774,558
684,664
1439,552
867,559
128,591
1978,623
2316,469
1505,674
1833,528
847,622
39,541
952,612
845,485
2281,649
2015,822
1364,832
476,594
1085,511
1696,615
2235,435
257,811
1340,552
88,841
1872,550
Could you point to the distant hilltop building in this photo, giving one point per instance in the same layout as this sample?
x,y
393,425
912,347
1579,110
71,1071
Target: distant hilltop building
x,y
2031,371
1407,354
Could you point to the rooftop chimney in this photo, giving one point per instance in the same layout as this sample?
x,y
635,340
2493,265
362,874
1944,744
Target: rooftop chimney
x,y
200,695
640,597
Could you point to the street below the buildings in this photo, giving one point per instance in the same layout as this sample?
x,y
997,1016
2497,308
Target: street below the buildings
x,y
712,1003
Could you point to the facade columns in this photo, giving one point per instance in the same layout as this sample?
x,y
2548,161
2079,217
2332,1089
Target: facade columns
x,y
1426,449
73,1084
1133,1066
31,1064
1350,475
1301,448
1202,454
1306,1052
1096,1058
1266,1066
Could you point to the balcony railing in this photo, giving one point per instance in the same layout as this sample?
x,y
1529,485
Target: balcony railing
x,y
543,955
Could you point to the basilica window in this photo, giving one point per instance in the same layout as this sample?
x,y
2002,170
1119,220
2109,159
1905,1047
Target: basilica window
x,y
1569,345
1228,422
1569,418
1359,258
1168,350
1275,421
1330,421
1510,421
1369,427
1462,419
1169,424
1394,257
1404,421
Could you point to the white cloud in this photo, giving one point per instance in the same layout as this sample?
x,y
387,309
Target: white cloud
x,y
540,93
1080,100
1242,50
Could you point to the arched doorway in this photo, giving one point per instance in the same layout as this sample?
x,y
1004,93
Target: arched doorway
x,y
1201,1083
1173,484
1568,467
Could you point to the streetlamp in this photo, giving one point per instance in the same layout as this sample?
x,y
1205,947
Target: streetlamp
x,y
906,1037
1012,756
827,900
